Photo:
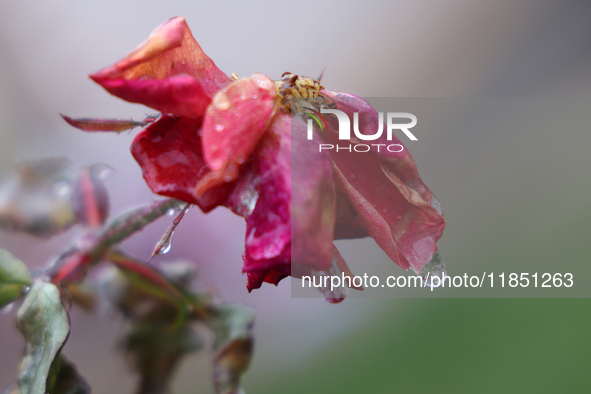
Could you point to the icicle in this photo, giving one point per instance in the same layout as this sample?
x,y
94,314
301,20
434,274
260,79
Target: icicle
x,y
434,268
165,244
339,293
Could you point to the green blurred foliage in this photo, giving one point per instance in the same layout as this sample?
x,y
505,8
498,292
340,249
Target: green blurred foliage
x,y
454,346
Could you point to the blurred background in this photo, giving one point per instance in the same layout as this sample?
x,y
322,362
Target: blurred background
x,y
511,206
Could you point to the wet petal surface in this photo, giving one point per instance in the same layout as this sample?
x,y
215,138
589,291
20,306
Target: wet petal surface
x,y
168,72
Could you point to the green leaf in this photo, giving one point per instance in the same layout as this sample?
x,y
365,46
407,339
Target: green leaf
x,y
160,334
14,276
44,323
232,325
67,380
155,351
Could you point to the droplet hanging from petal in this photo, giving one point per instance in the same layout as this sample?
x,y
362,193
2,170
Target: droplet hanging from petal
x,y
435,268
331,294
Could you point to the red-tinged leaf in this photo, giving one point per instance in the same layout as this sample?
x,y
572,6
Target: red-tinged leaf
x,y
159,285
169,72
99,125
90,198
72,267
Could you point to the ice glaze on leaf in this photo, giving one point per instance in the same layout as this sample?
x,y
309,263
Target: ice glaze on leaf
x,y
35,199
90,198
92,125
48,196
14,276
44,323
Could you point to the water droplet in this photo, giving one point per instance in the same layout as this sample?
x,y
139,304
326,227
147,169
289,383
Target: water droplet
x,y
165,244
248,200
218,127
436,204
241,160
227,178
337,294
171,211
7,309
435,268
102,171
61,189
200,133
352,176
243,97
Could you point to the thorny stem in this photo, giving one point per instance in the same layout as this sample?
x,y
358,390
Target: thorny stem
x,y
76,262
130,223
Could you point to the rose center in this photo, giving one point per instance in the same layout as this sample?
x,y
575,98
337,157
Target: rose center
x,y
292,86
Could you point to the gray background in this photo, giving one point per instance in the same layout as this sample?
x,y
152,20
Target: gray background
x,y
522,204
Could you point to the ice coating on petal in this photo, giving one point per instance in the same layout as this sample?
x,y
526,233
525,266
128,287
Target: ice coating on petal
x,y
169,72
179,95
399,165
256,278
169,153
236,120
313,205
291,228
388,195
348,223
268,228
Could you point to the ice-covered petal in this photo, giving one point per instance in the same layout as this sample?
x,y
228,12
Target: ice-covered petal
x,y
235,122
387,193
169,72
293,222
313,204
169,153
399,165
268,228
291,228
